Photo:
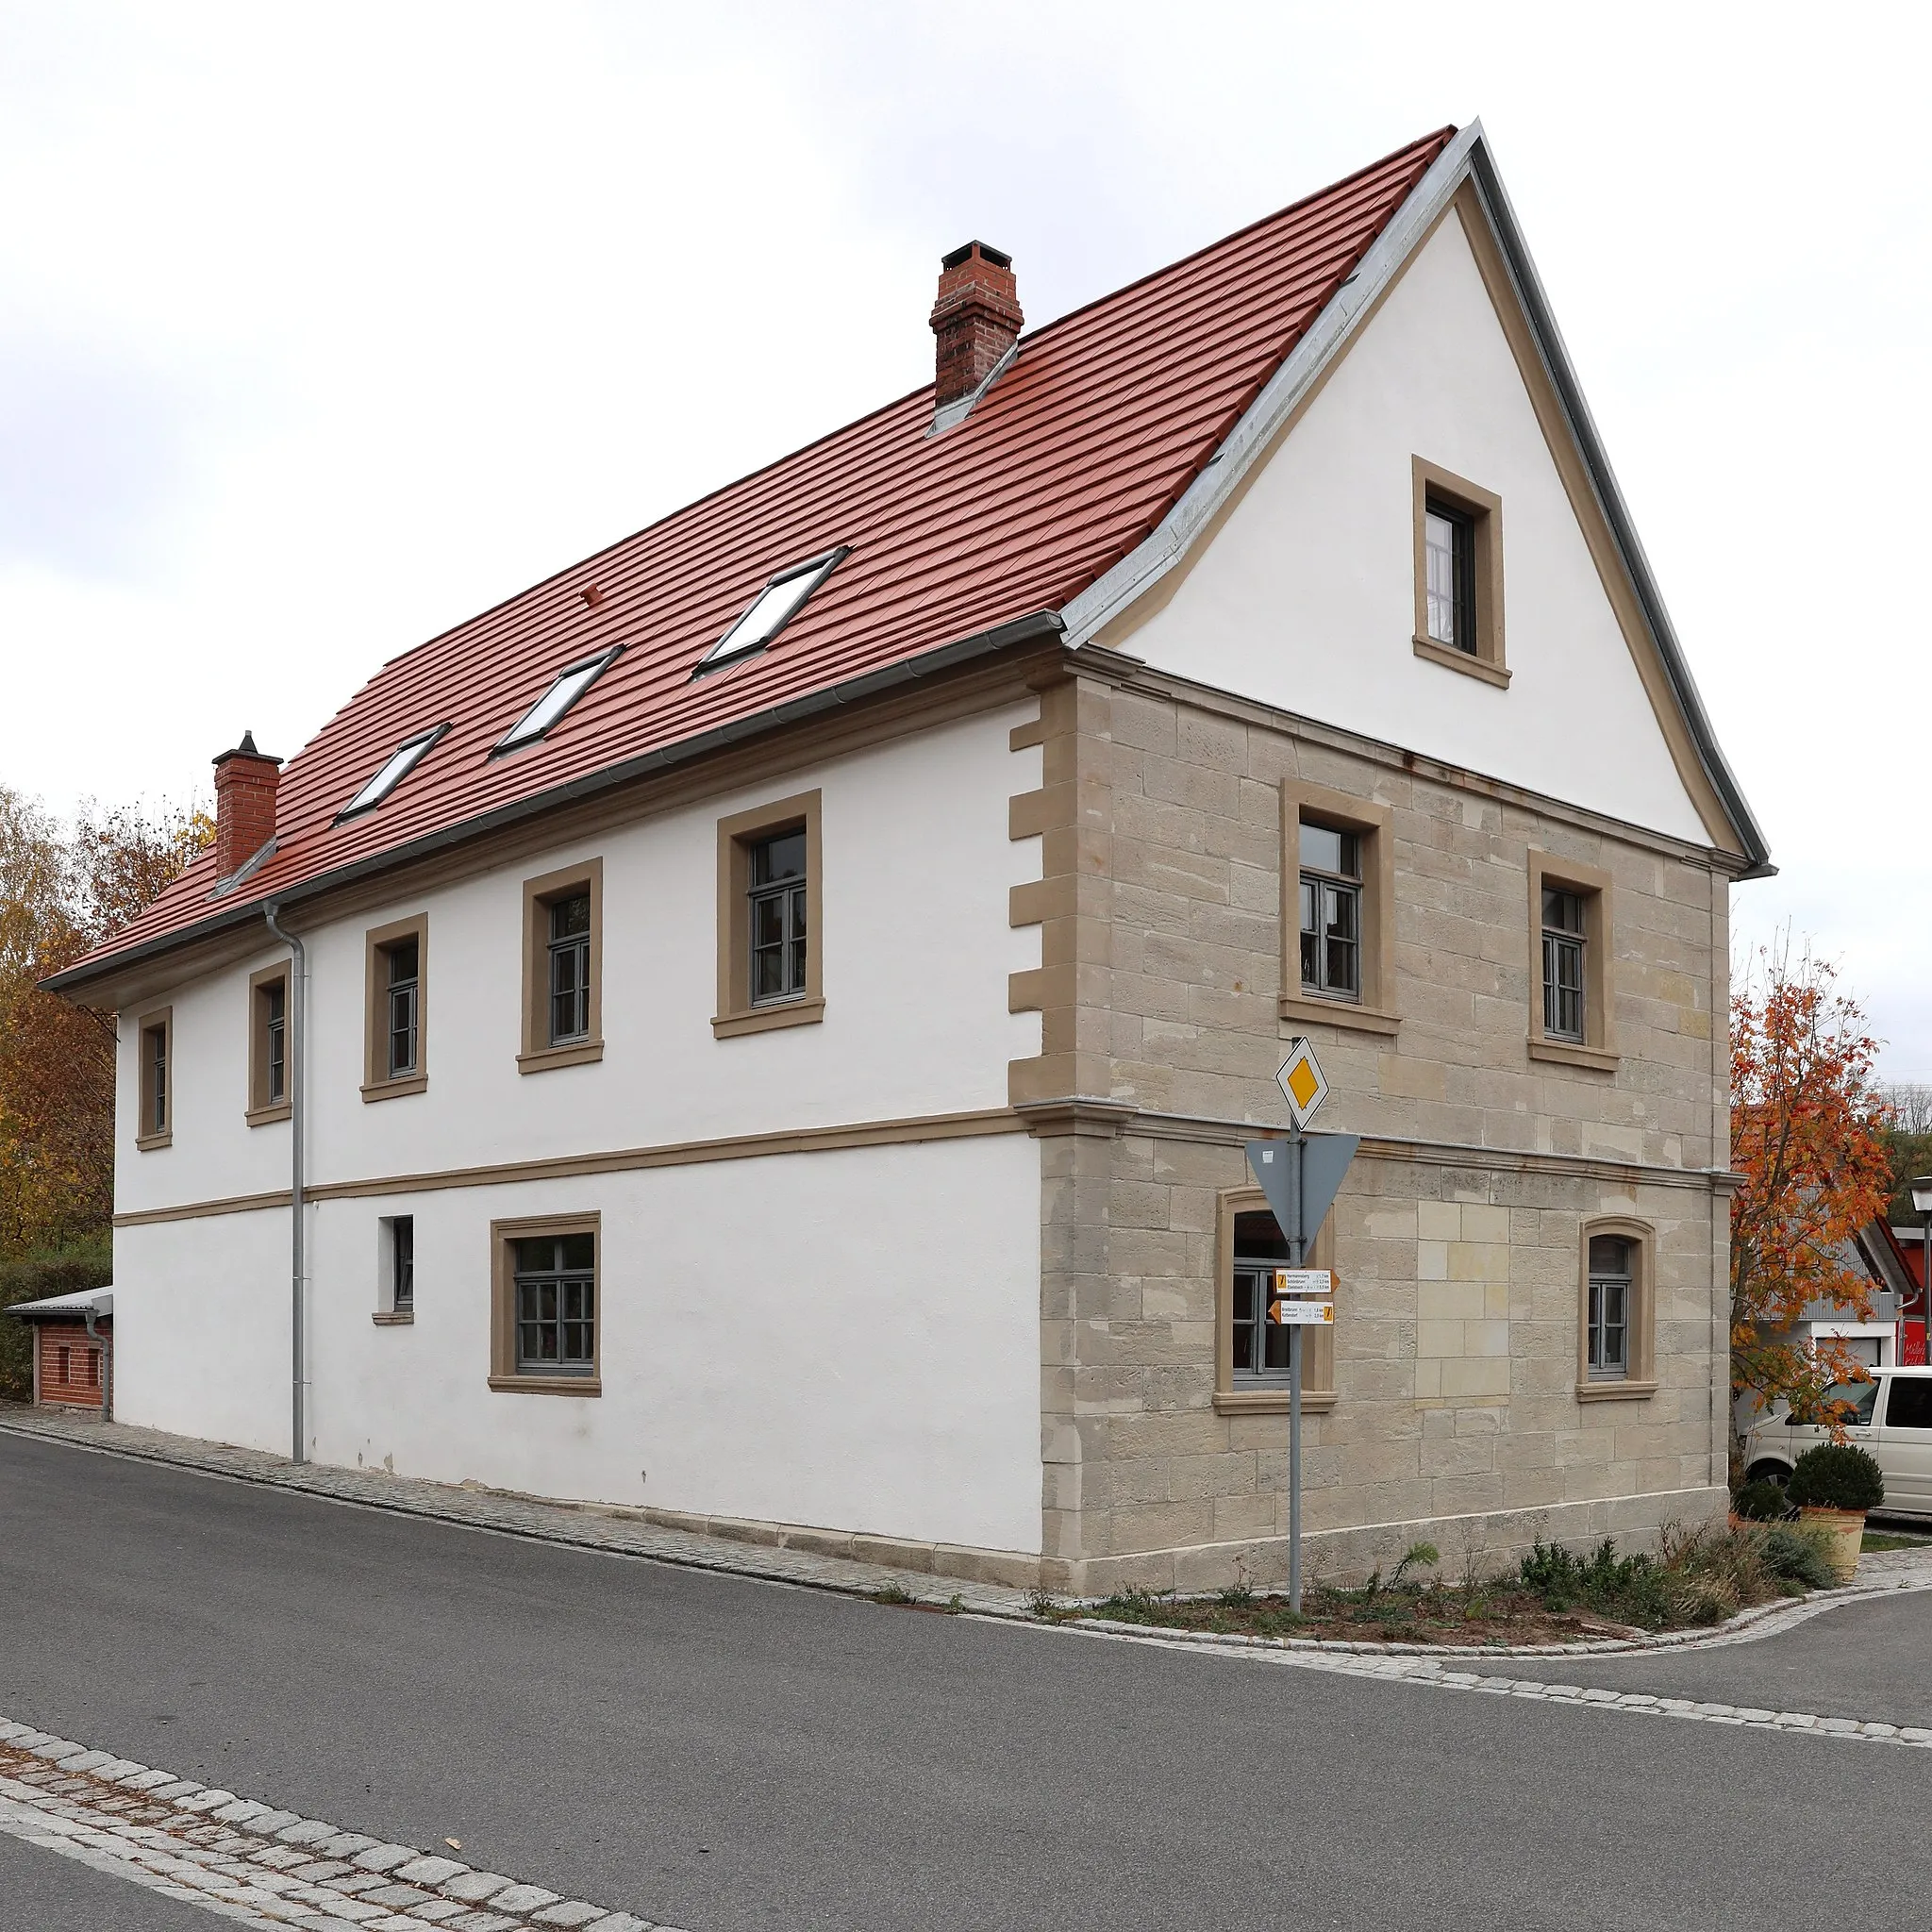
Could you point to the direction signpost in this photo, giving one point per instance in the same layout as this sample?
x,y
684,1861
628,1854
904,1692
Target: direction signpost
x,y
1301,1178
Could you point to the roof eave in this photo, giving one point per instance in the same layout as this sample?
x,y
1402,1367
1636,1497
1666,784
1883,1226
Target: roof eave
x,y
1036,626
1466,157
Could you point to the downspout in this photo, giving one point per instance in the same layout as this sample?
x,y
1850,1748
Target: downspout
x,y
107,1349
297,1015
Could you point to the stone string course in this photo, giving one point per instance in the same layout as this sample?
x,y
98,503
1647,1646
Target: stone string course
x,y
243,1859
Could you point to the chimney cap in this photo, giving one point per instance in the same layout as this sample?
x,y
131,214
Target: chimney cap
x,y
998,256
246,750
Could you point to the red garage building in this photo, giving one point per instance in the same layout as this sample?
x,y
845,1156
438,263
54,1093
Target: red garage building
x,y
74,1347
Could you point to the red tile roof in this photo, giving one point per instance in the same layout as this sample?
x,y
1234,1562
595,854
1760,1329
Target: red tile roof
x,y
1070,461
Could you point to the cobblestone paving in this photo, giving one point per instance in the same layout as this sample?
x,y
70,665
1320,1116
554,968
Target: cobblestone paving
x,y
597,1526
242,1860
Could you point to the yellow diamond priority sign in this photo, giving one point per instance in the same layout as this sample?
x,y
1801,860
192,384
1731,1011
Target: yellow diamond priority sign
x,y
1302,1082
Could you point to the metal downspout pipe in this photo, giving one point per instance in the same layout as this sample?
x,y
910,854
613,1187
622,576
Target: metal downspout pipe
x,y
298,976
106,1348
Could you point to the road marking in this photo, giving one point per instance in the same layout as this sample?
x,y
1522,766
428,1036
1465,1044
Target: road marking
x,y
242,1860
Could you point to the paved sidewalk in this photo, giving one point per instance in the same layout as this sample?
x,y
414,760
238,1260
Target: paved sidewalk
x,y
588,1525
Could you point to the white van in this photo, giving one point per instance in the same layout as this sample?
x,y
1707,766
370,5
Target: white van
x,y
1893,1422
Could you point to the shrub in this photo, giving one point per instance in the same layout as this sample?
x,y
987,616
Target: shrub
x,y
1837,1476
1762,1502
1788,1553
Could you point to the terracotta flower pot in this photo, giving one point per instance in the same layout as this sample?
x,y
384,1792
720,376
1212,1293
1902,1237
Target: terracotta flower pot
x,y
1844,1531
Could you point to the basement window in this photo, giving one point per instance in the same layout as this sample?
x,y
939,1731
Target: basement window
x,y
571,682
401,762
772,609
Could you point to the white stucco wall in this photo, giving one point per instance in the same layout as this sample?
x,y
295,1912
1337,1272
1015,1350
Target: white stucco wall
x,y
847,1338
1305,596
913,921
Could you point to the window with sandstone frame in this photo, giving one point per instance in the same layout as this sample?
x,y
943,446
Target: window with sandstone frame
x,y
155,1102
1338,863
1459,572
1616,1310
1571,946
1250,1352
269,1072
395,1024
563,967
546,1315
771,917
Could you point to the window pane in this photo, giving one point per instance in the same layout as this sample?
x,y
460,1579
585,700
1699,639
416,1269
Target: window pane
x,y
1259,1237
1608,1255
554,702
579,1251
402,962
1438,537
1321,848
536,1255
1562,911
782,857
569,917
1909,1405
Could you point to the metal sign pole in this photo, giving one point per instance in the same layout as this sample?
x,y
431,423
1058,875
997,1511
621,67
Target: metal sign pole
x,y
1296,1250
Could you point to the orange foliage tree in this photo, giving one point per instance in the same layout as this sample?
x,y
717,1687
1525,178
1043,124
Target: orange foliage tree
x,y
63,891
1807,1134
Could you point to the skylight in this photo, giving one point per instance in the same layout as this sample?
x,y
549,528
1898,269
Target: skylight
x,y
398,766
772,609
572,683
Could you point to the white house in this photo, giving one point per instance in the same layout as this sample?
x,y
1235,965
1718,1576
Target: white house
x,y
763,1024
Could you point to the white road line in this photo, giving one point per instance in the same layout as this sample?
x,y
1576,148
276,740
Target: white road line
x,y
240,1860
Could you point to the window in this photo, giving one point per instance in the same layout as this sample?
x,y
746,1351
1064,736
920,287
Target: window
x,y
1909,1403
1616,1314
771,611
1338,875
544,1294
1331,903
563,926
1251,1352
397,767
1449,547
395,1270
154,1123
771,918
1459,573
397,1025
268,1045
569,686
1563,943
1569,906
1609,1308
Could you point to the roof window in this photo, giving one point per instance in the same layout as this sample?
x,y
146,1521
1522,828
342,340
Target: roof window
x,y
573,681
772,609
397,767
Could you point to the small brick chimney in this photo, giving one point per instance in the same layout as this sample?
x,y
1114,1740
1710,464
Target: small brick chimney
x,y
246,782
976,319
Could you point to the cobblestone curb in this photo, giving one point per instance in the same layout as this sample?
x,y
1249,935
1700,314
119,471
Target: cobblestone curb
x,y
242,1860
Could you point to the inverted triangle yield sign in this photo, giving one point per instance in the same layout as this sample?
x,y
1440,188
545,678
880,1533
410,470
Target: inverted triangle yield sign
x,y
1325,1159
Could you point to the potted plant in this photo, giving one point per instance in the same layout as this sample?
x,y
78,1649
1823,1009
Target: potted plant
x,y
1833,1486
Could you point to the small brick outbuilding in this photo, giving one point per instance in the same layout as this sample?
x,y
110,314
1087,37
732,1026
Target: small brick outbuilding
x,y
73,1344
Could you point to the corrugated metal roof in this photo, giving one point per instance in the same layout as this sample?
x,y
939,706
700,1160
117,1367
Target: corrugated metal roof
x,y
1100,422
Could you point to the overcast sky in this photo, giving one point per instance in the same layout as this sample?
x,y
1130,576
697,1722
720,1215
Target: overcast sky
x,y
323,329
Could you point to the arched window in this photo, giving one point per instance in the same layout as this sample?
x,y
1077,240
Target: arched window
x,y
1616,1311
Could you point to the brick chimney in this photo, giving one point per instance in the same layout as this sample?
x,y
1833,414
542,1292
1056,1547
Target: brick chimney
x,y
246,782
976,319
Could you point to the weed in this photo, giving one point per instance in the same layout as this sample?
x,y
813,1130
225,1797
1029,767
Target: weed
x,y
892,1593
1237,1596
955,1603
1418,1556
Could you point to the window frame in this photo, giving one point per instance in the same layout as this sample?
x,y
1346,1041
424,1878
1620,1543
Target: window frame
x,y
1237,1397
389,1310
738,835
264,1110
1374,1010
377,1082
1481,511
157,1020
1597,1049
818,568
595,662
1639,1381
538,1054
505,1377
1350,885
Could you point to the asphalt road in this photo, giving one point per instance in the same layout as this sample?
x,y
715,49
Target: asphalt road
x,y
725,1755
42,1891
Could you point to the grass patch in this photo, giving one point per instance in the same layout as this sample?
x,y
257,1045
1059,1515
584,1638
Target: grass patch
x,y
1696,1578
1884,1539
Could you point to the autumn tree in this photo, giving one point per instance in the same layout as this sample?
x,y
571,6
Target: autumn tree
x,y
1807,1134
63,890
